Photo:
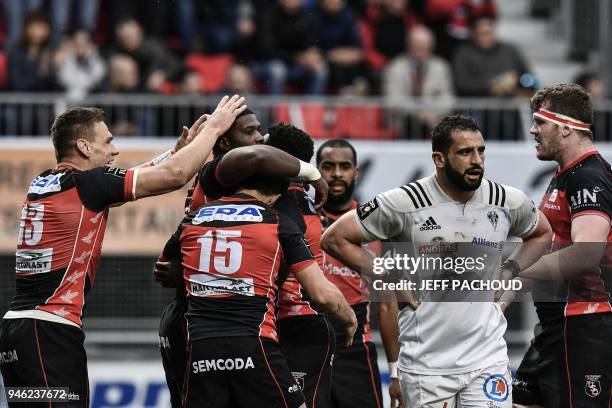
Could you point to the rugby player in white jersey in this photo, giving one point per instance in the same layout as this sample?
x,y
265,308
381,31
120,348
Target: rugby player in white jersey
x,y
450,353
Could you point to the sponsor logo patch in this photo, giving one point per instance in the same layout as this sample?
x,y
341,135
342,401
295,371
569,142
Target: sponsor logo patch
x,y
115,171
33,261
220,364
47,184
592,387
429,225
496,388
7,357
299,377
209,285
364,210
230,212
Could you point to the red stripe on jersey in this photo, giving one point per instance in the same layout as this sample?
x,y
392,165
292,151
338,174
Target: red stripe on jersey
x,y
267,327
301,265
129,189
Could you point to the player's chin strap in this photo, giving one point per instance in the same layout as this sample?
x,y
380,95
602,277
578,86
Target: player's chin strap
x,y
561,120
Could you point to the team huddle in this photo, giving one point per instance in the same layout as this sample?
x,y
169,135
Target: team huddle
x,y
272,305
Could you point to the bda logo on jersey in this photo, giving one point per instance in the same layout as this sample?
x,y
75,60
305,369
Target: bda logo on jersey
x,y
229,212
593,386
496,388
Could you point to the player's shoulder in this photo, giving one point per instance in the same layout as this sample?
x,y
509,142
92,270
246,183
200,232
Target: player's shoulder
x,y
592,168
502,195
412,196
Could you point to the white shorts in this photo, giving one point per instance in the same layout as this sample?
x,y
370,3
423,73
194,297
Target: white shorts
x,y
489,387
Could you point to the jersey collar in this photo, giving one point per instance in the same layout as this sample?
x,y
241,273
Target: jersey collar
x,y
575,162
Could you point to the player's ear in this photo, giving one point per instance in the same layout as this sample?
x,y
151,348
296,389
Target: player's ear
x,y
82,147
438,159
565,131
356,173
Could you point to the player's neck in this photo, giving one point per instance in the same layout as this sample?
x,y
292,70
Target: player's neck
x,y
266,199
339,208
455,194
74,164
573,153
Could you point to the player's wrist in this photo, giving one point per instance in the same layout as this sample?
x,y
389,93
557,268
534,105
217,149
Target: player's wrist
x,y
512,266
308,171
162,158
393,370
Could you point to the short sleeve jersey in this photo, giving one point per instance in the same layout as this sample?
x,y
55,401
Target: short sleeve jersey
x,y
353,286
231,250
583,187
444,337
297,206
62,226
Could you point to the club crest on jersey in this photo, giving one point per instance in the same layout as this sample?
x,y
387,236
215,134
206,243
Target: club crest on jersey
x,y
366,209
48,184
493,218
229,212
593,386
496,388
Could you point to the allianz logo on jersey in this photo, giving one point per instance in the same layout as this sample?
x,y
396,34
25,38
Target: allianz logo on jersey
x,y
209,285
32,261
229,212
430,225
47,184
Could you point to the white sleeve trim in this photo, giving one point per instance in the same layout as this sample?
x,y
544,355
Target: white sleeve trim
x,y
134,178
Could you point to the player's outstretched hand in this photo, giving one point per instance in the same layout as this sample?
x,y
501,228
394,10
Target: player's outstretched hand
x,y
321,189
225,113
167,274
395,392
350,328
189,133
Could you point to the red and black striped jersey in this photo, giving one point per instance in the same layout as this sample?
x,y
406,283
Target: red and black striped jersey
x,y
353,286
231,250
62,226
292,298
582,187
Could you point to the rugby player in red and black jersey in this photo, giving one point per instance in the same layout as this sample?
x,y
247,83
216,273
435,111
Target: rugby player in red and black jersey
x,y
60,237
356,379
217,178
569,363
231,251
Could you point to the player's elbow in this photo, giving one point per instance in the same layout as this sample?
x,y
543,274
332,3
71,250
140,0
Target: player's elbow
x,y
330,241
177,177
326,296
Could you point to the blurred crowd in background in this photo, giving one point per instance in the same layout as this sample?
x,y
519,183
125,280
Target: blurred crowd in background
x,y
439,48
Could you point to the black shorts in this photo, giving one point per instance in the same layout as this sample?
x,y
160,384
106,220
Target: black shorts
x,y
173,347
239,372
569,364
308,343
38,353
355,376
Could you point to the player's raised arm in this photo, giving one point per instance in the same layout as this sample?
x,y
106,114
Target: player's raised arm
x,y
328,297
183,165
241,163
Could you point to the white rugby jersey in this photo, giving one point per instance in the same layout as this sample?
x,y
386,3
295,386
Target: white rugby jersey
x,y
445,337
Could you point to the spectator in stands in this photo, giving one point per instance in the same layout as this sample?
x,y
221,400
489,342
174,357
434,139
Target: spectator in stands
x,y
123,74
60,10
488,67
285,50
384,30
214,26
124,77
338,39
419,74
80,67
30,62
451,21
156,63
154,16
239,80
14,13
592,83
191,84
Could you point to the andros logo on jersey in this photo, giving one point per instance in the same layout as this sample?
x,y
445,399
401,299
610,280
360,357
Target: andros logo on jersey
x,y
496,388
